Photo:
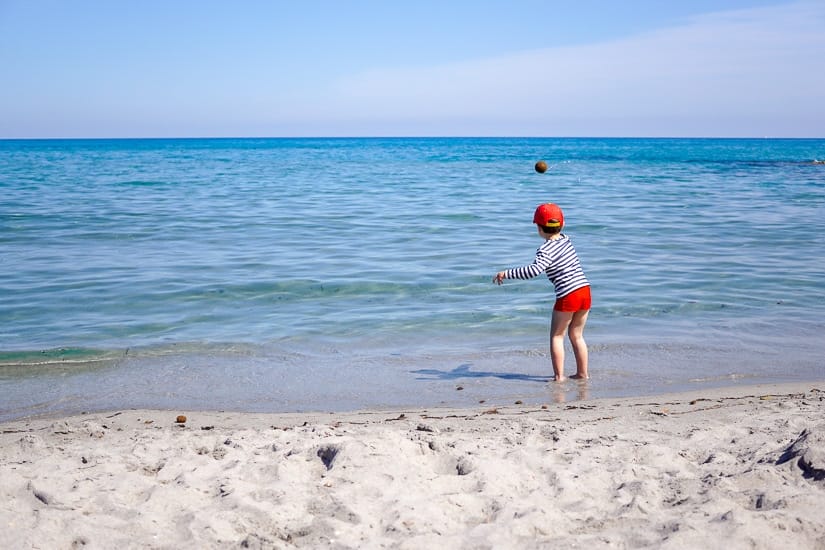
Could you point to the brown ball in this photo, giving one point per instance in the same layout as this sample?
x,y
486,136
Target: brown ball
x,y
541,167
181,419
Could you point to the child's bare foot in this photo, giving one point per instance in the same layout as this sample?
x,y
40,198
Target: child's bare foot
x,y
559,378
580,377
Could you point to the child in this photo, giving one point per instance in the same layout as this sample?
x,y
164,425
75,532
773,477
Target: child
x,y
557,258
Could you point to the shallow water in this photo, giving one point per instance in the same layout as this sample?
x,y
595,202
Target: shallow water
x,y
307,274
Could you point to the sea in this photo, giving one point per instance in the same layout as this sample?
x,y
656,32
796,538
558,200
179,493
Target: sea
x,y
314,274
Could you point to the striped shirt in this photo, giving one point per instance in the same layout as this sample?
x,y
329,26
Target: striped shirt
x,y
558,259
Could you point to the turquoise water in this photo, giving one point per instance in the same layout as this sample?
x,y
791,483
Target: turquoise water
x,y
315,274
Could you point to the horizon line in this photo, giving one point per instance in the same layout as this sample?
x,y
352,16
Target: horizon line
x,y
159,138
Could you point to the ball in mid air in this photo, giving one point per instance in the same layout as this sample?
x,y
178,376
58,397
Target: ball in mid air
x,y
541,167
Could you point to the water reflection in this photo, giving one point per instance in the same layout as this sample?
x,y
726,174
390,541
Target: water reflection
x,y
570,390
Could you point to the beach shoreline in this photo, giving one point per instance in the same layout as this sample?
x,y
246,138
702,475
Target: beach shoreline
x,y
744,464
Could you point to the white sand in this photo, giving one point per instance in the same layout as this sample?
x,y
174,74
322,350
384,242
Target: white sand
x,y
731,468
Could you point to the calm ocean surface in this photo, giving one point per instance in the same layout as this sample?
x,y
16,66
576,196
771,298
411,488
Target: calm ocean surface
x,y
335,274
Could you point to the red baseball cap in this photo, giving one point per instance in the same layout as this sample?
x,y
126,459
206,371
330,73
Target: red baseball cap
x,y
549,215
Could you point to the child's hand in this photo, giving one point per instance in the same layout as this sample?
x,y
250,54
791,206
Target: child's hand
x,y
499,278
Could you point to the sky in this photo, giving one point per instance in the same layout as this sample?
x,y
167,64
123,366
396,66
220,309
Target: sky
x,y
296,68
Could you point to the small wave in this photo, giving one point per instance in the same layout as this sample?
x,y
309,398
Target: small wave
x,y
721,377
38,361
58,356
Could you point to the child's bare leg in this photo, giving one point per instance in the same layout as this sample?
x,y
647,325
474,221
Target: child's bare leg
x,y
558,326
576,334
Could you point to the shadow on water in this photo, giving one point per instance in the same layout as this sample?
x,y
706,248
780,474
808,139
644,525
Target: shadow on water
x,y
463,371
569,390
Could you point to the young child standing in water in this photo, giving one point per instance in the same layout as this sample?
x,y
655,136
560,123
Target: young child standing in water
x,y
558,259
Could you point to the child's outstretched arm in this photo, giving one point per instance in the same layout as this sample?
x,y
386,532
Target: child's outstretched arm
x,y
525,272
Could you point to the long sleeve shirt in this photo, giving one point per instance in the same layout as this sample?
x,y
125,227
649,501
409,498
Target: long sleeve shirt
x,y
558,259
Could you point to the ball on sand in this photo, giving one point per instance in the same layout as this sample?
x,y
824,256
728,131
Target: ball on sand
x,y
541,167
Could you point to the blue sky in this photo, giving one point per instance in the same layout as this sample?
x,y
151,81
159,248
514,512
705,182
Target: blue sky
x,y
181,68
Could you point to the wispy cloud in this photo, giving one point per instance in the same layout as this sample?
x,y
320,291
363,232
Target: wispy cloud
x,y
764,64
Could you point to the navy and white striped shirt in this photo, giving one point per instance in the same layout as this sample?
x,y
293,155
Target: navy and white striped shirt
x,y
558,259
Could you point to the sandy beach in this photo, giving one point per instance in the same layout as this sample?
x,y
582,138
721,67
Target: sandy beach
x,y
739,467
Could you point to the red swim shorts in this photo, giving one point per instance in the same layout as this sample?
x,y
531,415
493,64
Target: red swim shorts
x,y
578,300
